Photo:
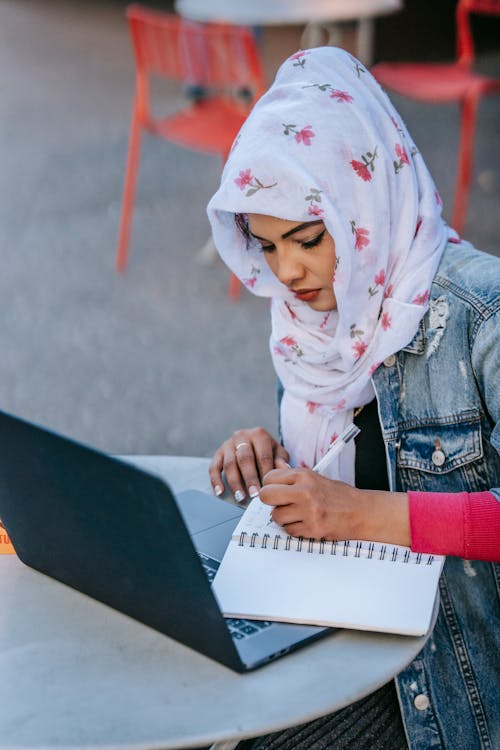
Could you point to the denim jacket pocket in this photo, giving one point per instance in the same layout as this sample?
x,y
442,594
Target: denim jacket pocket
x,y
440,445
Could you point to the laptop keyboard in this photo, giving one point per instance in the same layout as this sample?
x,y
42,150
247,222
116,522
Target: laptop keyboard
x,y
238,628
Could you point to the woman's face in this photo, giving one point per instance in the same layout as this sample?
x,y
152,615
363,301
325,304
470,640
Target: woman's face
x,y
301,255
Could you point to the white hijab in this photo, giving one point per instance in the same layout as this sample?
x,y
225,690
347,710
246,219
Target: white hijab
x,y
325,142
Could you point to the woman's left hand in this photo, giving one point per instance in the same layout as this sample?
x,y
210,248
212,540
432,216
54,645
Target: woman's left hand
x,y
309,505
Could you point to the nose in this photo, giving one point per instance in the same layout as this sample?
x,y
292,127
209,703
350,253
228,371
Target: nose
x,y
289,268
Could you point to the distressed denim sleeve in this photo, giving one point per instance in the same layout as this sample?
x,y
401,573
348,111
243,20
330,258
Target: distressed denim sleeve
x,y
486,364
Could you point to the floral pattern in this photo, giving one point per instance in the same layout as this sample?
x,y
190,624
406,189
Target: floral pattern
x,y
301,136
364,167
385,321
252,279
358,68
397,126
314,198
359,346
402,158
341,96
337,262
361,236
247,179
299,58
421,299
325,320
379,280
289,349
337,94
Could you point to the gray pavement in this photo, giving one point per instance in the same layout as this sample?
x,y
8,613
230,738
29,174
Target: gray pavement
x,y
157,360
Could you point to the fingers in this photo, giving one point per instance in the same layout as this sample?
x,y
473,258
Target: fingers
x,y
280,463
287,515
215,473
281,454
265,448
281,475
247,477
244,459
278,493
296,499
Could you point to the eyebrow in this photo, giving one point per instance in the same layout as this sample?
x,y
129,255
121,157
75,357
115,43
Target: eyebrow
x,y
292,231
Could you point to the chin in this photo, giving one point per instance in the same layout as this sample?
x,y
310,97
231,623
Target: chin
x,y
323,305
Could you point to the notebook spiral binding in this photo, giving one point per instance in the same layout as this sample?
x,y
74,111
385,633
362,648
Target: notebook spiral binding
x,y
348,548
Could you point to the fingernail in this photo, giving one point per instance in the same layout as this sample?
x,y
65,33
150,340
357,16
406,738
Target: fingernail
x,y
253,491
218,490
239,496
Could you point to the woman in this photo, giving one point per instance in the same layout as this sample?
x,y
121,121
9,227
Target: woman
x,y
381,314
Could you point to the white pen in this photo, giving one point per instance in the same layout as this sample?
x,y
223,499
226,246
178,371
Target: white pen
x,y
350,432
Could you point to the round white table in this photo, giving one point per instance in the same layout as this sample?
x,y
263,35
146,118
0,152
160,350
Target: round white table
x,y
317,16
77,675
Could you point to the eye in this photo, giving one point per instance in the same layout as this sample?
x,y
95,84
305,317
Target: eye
x,y
315,241
266,248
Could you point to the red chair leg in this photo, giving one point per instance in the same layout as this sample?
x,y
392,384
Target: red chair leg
x,y
465,158
129,193
234,287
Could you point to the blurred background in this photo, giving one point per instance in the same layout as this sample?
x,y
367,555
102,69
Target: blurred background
x,y
157,360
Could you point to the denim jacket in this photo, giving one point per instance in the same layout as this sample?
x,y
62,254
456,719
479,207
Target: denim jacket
x,y
445,386
439,409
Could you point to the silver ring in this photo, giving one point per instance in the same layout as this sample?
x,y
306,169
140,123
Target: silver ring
x,y
241,444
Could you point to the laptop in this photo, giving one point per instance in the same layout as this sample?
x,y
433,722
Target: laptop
x,y
116,533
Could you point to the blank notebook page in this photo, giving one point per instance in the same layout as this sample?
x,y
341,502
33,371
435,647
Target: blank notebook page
x,y
266,574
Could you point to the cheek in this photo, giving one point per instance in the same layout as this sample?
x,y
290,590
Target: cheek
x,y
325,270
330,262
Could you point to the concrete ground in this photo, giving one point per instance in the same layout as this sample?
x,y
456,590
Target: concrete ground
x,y
157,360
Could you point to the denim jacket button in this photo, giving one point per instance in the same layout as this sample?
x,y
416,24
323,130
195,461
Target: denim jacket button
x,y
390,361
421,702
438,458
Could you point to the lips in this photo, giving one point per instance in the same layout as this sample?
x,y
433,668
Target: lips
x,y
307,295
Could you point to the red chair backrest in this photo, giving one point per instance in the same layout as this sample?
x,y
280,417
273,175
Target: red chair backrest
x,y
465,42
222,56
214,56
155,40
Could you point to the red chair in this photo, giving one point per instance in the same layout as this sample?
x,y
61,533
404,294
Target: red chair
x,y
221,60
453,82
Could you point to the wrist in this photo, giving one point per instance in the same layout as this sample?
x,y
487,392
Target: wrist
x,y
384,517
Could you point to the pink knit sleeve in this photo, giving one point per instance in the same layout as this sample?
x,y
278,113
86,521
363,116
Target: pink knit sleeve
x,y
456,523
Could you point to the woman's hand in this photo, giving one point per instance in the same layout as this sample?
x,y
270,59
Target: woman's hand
x,y
309,505
245,458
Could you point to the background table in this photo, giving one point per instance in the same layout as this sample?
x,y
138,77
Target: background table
x,y
75,674
316,15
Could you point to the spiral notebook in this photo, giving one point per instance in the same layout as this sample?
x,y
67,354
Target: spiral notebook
x,y
267,574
